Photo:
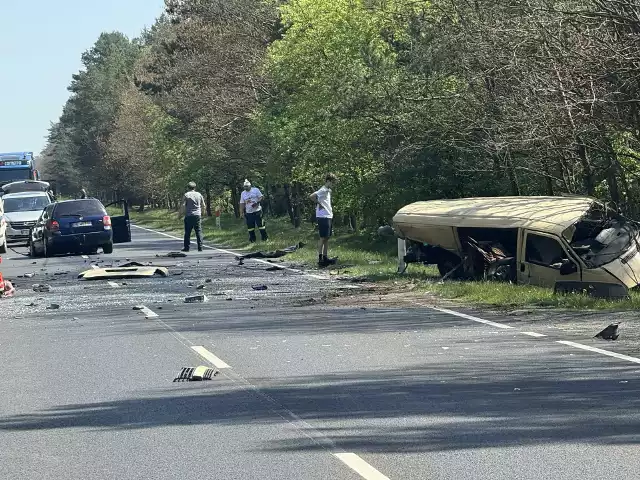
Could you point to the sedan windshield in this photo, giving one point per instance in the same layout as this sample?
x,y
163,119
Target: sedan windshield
x,y
25,204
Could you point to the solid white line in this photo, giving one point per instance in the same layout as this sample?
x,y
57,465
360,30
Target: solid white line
x,y
203,352
472,318
113,284
229,252
533,334
358,465
148,313
599,350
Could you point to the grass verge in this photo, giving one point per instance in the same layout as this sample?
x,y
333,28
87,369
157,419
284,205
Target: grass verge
x,y
369,255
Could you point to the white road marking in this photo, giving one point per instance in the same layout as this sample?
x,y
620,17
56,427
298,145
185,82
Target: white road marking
x,y
600,350
203,352
113,284
472,318
533,334
148,313
229,252
85,257
358,465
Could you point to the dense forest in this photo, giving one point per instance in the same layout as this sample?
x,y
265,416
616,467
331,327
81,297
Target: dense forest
x,y
402,99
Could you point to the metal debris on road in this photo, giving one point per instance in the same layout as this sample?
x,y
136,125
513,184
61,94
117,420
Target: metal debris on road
x,y
273,254
29,275
201,287
609,333
275,268
138,307
123,272
196,374
53,306
44,288
259,287
173,255
196,299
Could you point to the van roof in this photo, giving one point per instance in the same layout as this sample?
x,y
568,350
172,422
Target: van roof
x,y
549,214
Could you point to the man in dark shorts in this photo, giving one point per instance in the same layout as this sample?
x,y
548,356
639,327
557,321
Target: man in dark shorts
x,y
324,217
193,206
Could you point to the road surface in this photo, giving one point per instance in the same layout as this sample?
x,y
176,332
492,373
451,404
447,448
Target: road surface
x,y
305,390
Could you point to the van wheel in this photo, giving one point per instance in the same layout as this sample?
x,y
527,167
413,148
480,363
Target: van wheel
x,y
445,266
107,248
3,245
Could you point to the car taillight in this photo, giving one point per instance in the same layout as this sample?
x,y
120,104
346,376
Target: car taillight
x,y
53,226
106,221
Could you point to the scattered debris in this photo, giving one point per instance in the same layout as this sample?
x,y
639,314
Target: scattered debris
x,y
609,333
123,272
259,287
196,374
44,288
196,299
173,255
208,280
177,274
138,307
201,287
53,306
32,305
29,275
374,262
275,268
273,254
131,264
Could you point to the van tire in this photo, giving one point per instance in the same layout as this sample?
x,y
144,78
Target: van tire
x,y
3,245
107,248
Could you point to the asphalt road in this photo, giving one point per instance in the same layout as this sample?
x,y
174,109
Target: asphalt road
x,y
305,391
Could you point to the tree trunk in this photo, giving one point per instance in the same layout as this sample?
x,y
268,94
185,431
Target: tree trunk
x,y
587,173
235,199
353,222
208,200
548,181
513,178
287,195
297,204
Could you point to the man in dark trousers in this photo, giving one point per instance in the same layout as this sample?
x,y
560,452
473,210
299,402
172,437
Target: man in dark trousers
x,y
324,217
193,205
251,209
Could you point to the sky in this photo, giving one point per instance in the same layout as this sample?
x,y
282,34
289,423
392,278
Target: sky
x,y
41,42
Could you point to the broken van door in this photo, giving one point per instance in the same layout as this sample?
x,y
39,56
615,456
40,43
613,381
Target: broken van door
x,y
544,260
120,224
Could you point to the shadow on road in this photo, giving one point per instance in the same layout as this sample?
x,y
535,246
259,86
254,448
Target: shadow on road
x,y
413,410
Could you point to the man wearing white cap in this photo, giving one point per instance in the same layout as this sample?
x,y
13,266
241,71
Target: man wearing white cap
x,y
251,209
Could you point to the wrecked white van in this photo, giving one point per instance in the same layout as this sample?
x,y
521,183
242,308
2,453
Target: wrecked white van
x,y
574,244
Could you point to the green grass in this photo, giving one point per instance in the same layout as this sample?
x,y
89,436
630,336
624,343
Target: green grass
x,y
366,254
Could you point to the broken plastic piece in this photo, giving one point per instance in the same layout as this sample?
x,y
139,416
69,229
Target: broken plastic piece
x,y
123,272
195,374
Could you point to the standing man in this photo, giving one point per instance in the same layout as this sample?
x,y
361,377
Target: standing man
x,y
324,216
251,209
193,203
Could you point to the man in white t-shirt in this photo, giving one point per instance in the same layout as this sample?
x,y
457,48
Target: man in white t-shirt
x,y
324,217
251,210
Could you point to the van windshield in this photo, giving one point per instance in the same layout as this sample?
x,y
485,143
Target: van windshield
x,y
603,236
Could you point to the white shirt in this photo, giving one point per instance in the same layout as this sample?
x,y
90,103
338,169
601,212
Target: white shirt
x,y
323,209
250,200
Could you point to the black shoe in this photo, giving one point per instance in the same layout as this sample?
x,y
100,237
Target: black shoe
x,y
200,249
184,250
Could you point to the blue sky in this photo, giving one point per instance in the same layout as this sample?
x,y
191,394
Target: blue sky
x,y
40,46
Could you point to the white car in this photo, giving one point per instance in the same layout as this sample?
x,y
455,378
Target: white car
x,y
21,211
3,229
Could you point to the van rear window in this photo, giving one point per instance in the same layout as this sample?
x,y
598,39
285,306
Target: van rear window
x,y
80,207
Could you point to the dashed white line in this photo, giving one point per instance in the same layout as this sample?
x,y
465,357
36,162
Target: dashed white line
x,y
203,352
533,334
229,252
472,318
619,356
358,465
